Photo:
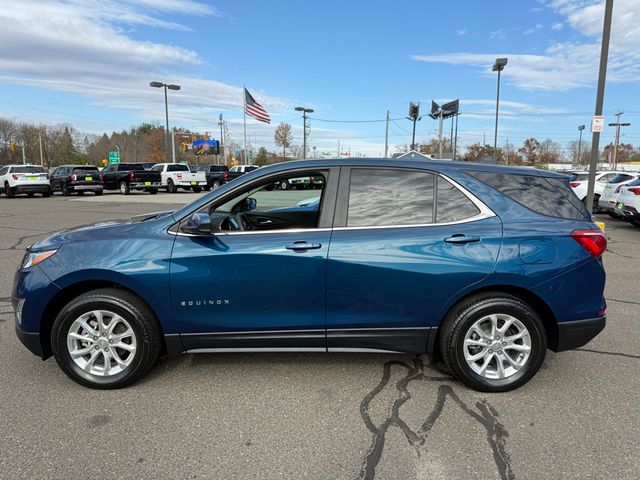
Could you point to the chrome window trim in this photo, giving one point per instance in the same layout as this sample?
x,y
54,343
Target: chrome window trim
x,y
485,212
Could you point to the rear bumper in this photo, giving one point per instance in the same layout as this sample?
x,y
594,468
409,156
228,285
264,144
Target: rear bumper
x,y
185,183
578,333
43,188
141,185
96,187
629,212
30,340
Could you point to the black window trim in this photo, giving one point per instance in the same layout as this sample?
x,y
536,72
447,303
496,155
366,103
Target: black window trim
x,y
342,206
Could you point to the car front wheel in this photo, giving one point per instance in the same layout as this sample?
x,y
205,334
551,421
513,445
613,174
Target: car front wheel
x,y
493,342
105,339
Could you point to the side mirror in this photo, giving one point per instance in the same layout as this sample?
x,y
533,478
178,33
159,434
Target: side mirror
x,y
249,204
198,224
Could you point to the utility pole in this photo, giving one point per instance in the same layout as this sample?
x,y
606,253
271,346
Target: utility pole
x,y
304,128
24,155
40,142
221,144
440,135
414,116
580,129
338,149
455,140
602,79
386,138
617,125
173,146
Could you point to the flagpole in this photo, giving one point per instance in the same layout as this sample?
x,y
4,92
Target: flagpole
x,y
244,111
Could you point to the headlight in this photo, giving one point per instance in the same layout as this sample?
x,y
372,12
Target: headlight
x,y
34,258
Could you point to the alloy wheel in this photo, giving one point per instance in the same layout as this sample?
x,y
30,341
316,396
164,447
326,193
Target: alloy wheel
x,y
101,342
497,346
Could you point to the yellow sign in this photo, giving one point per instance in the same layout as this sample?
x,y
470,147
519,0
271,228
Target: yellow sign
x,y
104,161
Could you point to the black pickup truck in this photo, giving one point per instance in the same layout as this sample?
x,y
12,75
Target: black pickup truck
x,y
130,176
216,174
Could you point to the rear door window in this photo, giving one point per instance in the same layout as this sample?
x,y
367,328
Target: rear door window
x,y
545,195
386,197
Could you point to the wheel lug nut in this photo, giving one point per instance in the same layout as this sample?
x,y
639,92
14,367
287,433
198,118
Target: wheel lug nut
x,y
504,343
110,341
490,351
97,347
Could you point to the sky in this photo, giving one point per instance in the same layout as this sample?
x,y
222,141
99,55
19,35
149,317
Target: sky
x,y
89,63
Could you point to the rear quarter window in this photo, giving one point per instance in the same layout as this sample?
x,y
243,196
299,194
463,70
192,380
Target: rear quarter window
x,y
544,195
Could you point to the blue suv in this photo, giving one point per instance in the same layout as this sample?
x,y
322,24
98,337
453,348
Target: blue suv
x,y
483,266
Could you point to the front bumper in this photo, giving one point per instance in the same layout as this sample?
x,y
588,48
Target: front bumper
x,y
578,333
30,340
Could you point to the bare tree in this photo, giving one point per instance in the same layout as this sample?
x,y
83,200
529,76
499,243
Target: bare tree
x,y
283,137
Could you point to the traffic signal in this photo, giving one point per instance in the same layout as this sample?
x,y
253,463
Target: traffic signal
x,y
12,146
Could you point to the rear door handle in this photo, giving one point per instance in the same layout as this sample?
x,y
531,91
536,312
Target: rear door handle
x,y
299,246
460,239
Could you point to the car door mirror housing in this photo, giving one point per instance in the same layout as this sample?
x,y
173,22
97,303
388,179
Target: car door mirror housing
x,y
252,204
198,224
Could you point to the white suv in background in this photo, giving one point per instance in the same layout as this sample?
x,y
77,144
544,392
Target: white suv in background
x,y
179,175
580,180
628,204
609,197
28,179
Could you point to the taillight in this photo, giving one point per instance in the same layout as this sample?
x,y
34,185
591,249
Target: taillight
x,y
101,178
179,175
15,177
574,184
635,191
618,188
226,176
593,241
132,176
72,178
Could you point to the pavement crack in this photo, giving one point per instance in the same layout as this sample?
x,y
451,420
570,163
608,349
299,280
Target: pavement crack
x,y
630,302
484,414
603,352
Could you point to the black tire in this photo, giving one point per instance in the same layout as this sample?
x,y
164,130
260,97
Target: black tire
x,y
46,194
171,188
129,307
216,184
30,194
207,187
197,189
460,319
153,191
65,190
7,190
98,193
124,188
80,192
611,214
635,223
284,185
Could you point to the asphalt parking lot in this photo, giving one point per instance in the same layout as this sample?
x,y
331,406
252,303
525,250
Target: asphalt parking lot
x,y
318,416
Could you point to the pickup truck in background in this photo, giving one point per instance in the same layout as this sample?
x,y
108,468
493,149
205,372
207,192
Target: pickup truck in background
x,y
216,174
130,176
178,175
238,170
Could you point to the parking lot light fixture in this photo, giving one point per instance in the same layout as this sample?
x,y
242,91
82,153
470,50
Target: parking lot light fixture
x,y
304,128
166,86
498,66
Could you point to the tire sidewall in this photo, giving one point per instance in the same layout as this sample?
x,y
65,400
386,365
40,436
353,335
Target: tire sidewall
x,y
499,306
83,305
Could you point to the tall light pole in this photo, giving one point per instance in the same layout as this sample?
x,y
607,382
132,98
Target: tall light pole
x,y
166,114
221,144
617,125
602,80
580,129
304,128
498,66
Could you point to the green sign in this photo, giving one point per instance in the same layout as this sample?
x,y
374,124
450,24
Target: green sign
x,y
114,157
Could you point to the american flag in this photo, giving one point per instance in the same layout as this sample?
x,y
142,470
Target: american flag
x,y
254,109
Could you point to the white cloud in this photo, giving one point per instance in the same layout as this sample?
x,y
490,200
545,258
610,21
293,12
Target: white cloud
x,y
567,65
461,32
557,26
499,34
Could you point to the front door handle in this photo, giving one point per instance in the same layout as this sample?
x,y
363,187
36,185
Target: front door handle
x,y
461,239
300,246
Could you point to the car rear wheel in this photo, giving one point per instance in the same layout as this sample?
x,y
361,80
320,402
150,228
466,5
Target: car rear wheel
x,y
197,189
98,192
635,223
105,339
7,190
153,191
171,188
65,190
493,342
124,188
284,185
80,192
30,194
215,184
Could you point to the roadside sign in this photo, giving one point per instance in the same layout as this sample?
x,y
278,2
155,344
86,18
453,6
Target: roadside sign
x,y
114,157
597,124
